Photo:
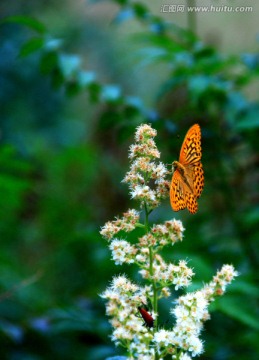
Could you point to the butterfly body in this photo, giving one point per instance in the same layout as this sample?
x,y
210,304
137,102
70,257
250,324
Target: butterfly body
x,y
188,177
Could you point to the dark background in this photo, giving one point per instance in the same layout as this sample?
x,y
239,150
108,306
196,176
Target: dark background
x,y
76,78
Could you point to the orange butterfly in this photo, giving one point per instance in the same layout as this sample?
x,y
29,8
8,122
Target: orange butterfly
x,y
188,179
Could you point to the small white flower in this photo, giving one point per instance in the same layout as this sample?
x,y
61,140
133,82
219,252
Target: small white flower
x,y
122,251
143,192
121,334
195,345
124,313
184,356
109,229
144,273
110,294
119,281
135,325
127,223
144,131
181,313
180,281
141,258
159,172
162,337
178,228
166,292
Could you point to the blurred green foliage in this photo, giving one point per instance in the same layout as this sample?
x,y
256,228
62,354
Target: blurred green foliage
x,y
65,135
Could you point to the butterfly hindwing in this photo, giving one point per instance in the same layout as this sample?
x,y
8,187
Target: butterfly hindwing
x,y
192,204
177,195
198,182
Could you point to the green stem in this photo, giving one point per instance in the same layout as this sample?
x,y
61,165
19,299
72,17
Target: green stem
x,y
191,17
178,355
151,271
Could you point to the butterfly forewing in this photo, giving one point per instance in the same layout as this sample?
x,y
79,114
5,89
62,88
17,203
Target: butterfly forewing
x,y
191,148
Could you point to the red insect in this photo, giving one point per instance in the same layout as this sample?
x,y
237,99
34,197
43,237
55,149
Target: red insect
x,y
148,319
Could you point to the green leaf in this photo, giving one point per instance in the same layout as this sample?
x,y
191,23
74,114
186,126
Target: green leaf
x,y
72,88
160,41
57,78
26,20
122,2
31,46
238,310
140,10
94,92
48,62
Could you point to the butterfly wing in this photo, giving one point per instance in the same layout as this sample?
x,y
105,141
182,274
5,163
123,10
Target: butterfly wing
x,y
190,153
190,157
177,194
180,195
191,202
198,179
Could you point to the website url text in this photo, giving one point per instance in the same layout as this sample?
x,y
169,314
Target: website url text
x,y
166,8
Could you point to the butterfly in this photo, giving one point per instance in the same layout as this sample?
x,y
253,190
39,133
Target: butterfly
x,y
188,177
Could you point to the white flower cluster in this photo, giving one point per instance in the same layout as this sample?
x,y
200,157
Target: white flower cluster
x,y
190,313
123,252
123,298
127,224
167,274
168,233
146,177
163,234
141,337
159,236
